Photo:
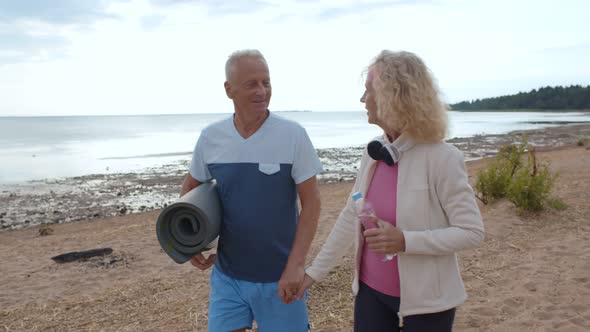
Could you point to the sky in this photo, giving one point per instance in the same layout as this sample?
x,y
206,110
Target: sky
x,y
111,57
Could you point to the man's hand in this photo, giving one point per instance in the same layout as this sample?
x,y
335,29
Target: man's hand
x,y
291,281
386,239
201,262
305,285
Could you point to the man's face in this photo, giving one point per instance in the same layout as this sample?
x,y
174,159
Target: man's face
x,y
249,86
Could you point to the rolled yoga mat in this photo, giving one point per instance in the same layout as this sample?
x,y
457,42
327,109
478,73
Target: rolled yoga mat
x,y
188,226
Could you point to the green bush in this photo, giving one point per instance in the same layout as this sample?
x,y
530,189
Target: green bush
x,y
531,185
523,180
512,154
492,183
584,141
557,204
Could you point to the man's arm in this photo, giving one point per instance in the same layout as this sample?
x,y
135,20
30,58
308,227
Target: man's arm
x,y
292,277
199,259
188,184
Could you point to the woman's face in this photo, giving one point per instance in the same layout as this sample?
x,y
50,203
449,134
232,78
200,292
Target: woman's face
x,y
368,98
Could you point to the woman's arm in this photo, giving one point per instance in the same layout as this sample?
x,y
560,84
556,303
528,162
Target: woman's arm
x,y
456,197
338,242
342,234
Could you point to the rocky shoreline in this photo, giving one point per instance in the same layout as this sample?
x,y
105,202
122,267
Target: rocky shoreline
x,y
103,195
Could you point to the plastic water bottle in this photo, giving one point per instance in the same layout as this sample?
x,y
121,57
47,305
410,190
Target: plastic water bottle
x,y
367,216
364,211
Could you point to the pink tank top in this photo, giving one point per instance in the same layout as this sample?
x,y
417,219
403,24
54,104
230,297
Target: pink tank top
x,y
375,273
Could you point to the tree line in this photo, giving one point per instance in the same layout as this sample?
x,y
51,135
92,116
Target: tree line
x,y
574,97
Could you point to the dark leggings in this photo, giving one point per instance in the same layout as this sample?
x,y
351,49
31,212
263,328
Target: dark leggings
x,y
375,311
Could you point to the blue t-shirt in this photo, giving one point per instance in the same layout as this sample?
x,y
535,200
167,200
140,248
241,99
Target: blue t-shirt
x,y
256,181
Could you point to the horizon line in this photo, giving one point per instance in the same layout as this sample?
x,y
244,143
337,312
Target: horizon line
x,y
159,114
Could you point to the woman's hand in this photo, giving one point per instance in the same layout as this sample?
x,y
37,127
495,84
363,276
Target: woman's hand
x,y
305,285
290,281
385,239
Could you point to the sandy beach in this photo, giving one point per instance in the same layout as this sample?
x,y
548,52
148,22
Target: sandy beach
x,y
531,274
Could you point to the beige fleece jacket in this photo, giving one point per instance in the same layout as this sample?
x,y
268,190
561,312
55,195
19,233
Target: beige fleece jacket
x,y
438,214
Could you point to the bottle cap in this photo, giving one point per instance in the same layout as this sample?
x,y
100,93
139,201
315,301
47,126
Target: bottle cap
x,y
356,196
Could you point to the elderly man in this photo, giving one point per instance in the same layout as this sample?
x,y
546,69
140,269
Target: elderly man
x,y
261,163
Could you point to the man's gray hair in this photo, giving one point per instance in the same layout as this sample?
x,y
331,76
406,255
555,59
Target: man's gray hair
x,y
230,65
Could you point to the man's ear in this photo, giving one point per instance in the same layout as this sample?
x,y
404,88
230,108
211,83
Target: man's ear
x,y
227,87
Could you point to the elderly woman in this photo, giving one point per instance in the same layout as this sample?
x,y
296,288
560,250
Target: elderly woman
x,y
425,208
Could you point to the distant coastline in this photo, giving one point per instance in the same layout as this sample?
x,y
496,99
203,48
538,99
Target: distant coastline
x,y
574,98
528,110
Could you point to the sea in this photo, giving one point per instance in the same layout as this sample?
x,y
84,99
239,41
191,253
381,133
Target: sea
x,y
42,148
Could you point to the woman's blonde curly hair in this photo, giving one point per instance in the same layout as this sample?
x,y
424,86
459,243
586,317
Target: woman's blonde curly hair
x,y
407,97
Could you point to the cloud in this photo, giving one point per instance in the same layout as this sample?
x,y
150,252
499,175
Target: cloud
x,y
152,21
31,30
364,7
580,47
54,11
17,45
327,10
220,8
173,2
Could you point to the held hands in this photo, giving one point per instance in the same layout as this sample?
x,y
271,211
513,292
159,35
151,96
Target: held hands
x,y
307,283
385,239
290,282
294,290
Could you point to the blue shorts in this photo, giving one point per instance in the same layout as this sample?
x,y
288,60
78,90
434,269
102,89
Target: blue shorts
x,y
234,304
